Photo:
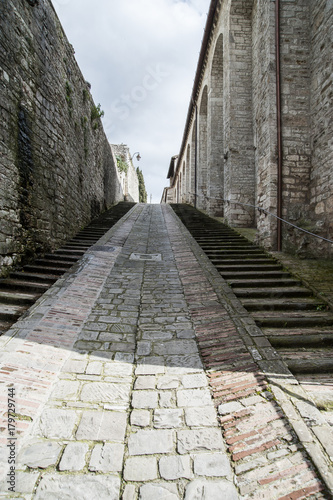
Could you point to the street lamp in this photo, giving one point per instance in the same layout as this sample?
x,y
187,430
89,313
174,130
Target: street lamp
x,y
138,157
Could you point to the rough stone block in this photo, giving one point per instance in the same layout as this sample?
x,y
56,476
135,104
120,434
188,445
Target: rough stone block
x,y
149,442
102,426
212,464
107,458
140,469
199,440
175,467
168,418
73,458
79,486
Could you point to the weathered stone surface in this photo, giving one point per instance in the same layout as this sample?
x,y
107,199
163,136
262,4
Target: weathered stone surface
x,y
168,418
140,469
159,490
201,417
94,487
40,454
141,418
106,392
208,490
175,467
107,458
194,397
144,399
74,457
100,426
55,423
212,464
149,442
199,440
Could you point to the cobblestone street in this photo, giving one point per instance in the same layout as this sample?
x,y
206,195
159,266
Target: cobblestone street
x,y
133,378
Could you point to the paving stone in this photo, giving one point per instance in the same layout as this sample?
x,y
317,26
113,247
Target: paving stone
x,y
149,442
129,492
212,464
194,397
107,458
87,486
144,399
106,393
150,365
66,390
102,426
159,491
168,382
175,467
141,418
227,408
168,418
55,423
24,482
140,469
199,440
40,454
144,348
73,458
201,489
194,380
201,417
147,382
75,366
167,399
94,368
175,347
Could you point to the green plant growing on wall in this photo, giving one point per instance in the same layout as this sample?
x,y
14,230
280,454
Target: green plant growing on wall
x,y
121,164
142,187
96,113
85,95
69,92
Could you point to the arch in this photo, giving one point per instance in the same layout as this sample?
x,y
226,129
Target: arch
x,y
216,153
202,150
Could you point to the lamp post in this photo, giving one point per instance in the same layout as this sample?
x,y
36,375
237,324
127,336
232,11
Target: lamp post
x,y
138,157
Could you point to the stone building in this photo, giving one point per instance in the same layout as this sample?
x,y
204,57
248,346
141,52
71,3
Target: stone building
x,y
57,170
260,122
127,175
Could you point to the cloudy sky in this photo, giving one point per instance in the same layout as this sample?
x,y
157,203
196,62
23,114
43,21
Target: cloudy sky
x,y
140,57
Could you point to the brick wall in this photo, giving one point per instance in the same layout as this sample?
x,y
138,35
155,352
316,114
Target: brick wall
x,y
56,167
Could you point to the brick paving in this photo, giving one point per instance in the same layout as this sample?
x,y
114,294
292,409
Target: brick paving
x,y
134,380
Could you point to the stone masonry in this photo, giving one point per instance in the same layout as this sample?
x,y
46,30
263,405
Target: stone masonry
x,y
57,171
117,388
231,129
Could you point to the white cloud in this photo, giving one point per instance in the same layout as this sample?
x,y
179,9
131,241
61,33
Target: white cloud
x,y
140,57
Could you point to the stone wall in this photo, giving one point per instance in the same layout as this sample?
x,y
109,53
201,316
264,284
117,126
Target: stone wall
x,y
57,171
234,102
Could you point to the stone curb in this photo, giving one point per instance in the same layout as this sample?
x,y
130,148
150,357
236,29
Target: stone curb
x,y
306,420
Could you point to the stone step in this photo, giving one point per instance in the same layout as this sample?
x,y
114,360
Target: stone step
x,y
34,277
248,267
314,360
55,271
9,284
271,292
12,297
289,319
59,258
269,283
11,312
246,261
253,275
283,304
60,264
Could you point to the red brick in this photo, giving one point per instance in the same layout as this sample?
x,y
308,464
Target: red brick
x,y
303,493
263,447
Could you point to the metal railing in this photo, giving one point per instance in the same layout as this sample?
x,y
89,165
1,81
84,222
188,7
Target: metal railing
x,y
264,211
